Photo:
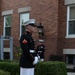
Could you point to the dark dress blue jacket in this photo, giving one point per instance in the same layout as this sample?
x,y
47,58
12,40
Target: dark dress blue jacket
x,y
41,50
27,44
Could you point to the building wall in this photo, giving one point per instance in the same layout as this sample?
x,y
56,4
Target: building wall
x,y
49,13
62,11
63,42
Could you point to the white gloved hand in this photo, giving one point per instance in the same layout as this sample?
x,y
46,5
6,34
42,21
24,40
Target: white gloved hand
x,y
38,57
35,61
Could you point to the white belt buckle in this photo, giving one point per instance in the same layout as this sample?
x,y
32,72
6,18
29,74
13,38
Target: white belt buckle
x,y
40,51
32,51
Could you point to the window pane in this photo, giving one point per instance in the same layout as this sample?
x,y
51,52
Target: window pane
x,y
7,25
24,18
71,27
74,59
8,31
6,55
72,12
70,59
23,29
7,21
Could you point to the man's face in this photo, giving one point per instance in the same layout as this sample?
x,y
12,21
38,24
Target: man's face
x,y
31,28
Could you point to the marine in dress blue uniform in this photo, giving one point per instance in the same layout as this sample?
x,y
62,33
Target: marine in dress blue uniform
x,y
41,50
29,57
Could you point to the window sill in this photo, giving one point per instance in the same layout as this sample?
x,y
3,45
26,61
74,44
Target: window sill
x,y
68,66
70,36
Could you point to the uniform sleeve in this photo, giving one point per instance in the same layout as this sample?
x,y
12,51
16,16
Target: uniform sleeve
x,y
37,49
43,49
25,48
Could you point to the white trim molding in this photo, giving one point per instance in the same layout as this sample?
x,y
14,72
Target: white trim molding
x,y
6,50
68,51
67,23
67,20
67,2
25,9
70,36
7,12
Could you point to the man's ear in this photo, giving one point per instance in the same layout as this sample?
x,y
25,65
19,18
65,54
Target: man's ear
x,y
27,27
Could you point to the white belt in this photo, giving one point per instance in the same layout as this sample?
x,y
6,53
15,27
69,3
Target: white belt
x,y
39,51
32,51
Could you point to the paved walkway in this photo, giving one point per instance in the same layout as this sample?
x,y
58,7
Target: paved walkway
x,y
70,73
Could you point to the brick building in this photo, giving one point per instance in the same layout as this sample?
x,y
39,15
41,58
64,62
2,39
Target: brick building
x,y
57,17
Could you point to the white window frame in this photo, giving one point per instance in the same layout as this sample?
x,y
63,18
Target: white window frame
x,y
67,28
21,20
4,25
